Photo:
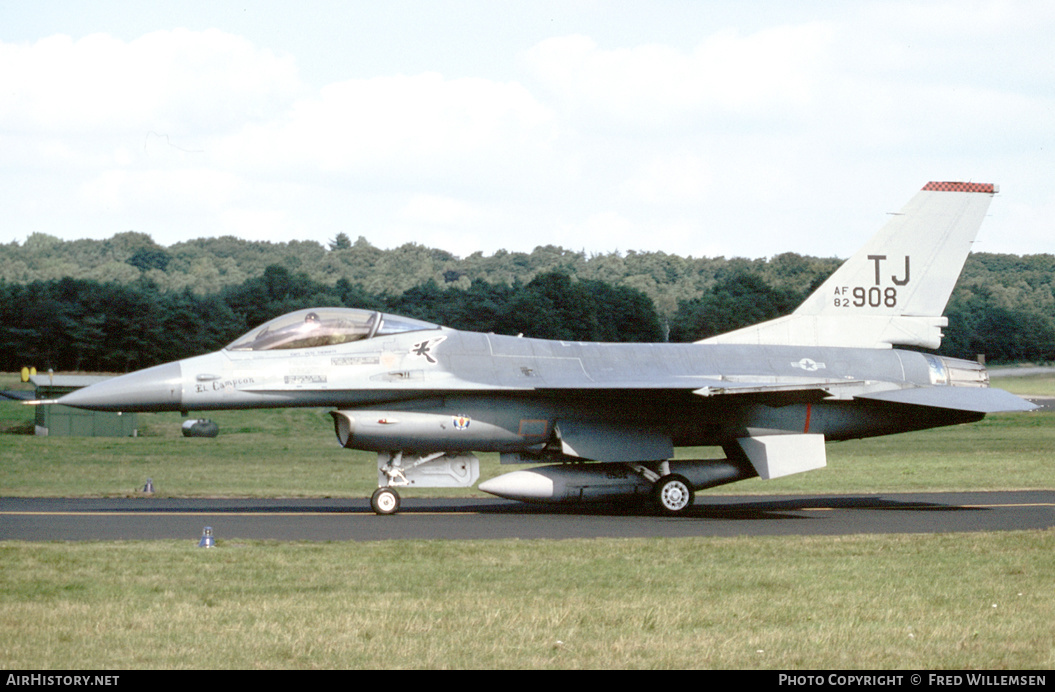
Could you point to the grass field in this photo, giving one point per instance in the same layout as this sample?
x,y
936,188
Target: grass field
x,y
963,601
874,602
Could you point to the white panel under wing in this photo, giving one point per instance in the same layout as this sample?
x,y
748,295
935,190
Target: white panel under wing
x,y
774,456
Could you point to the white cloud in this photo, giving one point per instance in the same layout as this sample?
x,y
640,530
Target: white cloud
x,y
121,128
731,137
656,85
161,192
258,223
178,82
401,127
434,210
671,179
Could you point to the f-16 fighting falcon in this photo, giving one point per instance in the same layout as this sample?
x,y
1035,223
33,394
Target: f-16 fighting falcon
x,y
603,419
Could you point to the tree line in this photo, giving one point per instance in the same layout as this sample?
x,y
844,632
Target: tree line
x,y
150,310
210,265
86,325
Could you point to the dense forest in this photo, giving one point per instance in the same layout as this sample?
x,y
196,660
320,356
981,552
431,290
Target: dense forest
x,y
127,302
85,325
207,266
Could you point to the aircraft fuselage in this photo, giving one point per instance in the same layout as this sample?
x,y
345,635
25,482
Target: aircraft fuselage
x,y
513,392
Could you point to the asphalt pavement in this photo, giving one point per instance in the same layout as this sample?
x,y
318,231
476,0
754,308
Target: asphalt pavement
x,y
107,519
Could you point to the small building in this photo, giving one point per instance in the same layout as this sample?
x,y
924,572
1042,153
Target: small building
x,y
66,421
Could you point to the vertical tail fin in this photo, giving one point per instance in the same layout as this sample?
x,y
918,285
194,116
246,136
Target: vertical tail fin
x,y
895,289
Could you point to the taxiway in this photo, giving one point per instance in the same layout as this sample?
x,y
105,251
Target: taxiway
x,y
107,519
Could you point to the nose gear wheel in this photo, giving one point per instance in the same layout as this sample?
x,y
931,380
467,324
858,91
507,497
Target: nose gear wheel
x,y
385,501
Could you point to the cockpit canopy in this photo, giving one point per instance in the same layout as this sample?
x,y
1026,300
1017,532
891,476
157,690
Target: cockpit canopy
x,y
317,327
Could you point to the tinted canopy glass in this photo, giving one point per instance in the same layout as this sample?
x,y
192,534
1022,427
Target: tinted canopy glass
x,y
317,327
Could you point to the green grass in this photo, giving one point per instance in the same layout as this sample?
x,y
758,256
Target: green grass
x,y
1027,385
976,601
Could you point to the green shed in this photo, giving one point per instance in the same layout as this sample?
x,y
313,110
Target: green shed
x,y
65,421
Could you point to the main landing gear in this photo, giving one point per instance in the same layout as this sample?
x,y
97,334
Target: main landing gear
x,y
673,494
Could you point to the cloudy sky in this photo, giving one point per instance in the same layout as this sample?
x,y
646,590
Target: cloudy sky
x,y
690,127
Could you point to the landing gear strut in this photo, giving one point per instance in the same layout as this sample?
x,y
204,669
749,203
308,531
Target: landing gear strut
x,y
395,469
671,492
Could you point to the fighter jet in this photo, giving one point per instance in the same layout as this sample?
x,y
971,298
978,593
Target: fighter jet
x,y
602,420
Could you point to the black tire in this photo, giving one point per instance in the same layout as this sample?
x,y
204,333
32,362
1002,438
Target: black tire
x,y
384,501
673,494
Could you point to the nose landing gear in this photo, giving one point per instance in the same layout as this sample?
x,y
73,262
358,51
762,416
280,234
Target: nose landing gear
x,y
384,501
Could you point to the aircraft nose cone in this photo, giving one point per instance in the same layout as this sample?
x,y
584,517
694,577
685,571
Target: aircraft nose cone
x,y
159,388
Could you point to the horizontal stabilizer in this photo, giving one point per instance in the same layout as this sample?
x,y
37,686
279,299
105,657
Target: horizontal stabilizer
x,y
774,456
976,399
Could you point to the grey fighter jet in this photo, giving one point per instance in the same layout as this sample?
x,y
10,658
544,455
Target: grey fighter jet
x,y
603,419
